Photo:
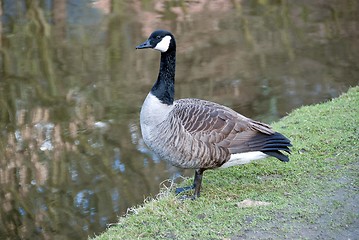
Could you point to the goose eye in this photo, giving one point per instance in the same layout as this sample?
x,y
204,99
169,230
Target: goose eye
x,y
158,37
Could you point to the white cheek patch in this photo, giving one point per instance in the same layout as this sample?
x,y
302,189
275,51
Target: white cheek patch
x,y
164,44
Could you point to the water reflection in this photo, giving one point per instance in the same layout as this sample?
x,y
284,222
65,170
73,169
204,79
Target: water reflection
x,y
71,86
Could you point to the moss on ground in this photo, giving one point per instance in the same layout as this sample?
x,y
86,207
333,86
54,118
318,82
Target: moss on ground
x,y
315,195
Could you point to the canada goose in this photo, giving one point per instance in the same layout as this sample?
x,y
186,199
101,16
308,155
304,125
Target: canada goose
x,y
198,134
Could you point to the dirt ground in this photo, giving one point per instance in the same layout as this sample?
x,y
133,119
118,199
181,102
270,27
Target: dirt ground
x,y
335,217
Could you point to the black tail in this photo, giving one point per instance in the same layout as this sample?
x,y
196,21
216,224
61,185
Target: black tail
x,y
274,144
270,144
277,154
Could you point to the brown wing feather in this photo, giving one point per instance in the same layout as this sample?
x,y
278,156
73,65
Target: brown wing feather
x,y
217,124
221,132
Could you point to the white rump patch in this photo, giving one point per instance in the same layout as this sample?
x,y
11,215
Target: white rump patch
x,y
164,44
244,158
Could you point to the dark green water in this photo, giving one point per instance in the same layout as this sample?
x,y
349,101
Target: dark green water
x,y
72,84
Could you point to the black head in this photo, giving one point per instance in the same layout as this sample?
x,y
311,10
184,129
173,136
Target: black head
x,y
160,40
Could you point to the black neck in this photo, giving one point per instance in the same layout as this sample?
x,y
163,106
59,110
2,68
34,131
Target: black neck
x,y
163,88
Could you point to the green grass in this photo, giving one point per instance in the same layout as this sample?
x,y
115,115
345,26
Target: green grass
x,y
315,195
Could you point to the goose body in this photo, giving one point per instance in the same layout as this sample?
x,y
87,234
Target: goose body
x,y
198,134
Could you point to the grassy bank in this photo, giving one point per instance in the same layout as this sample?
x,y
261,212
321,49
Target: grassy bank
x,y
315,195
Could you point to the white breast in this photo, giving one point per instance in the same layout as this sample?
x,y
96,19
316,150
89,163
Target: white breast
x,y
153,112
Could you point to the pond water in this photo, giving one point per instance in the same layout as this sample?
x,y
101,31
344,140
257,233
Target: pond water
x,y
71,87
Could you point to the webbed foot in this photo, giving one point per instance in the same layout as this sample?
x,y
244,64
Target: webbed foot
x,y
187,197
196,186
183,189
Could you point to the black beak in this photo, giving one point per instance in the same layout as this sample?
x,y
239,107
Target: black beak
x,y
146,44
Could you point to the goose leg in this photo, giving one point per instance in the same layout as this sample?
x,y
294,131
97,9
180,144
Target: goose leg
x,y
197,182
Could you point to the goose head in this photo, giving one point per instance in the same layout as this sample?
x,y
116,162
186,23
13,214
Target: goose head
x,y
160,40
